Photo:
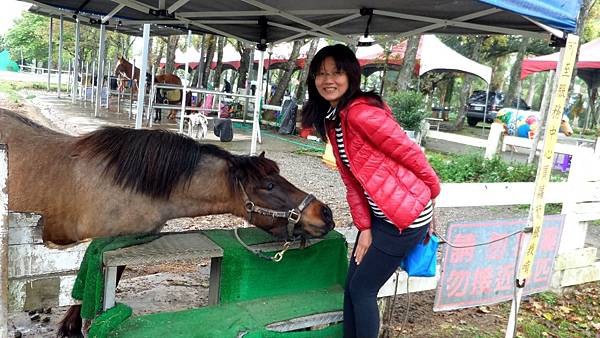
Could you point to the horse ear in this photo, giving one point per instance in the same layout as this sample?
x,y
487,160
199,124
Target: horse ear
x,y
262,154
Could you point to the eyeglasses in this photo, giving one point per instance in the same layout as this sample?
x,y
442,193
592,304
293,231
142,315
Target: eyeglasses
x,y
335,75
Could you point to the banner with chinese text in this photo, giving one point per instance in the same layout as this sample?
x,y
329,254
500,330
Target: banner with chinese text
x,y
485,274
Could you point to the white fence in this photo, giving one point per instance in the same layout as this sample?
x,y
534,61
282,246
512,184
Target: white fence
x,y
37,273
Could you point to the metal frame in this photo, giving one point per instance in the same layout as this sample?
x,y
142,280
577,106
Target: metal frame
x,y
100,78
142,84
50,54
74,87
309,28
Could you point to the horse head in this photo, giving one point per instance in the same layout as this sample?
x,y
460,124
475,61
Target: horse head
x,y
272,203
565,125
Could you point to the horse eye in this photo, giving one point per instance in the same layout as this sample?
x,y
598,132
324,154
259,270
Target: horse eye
x,y
270,186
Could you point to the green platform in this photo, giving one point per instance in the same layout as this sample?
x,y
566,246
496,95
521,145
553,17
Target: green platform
x,y
254,293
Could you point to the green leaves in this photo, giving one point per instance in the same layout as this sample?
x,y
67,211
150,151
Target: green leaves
x,y
474,168
408,108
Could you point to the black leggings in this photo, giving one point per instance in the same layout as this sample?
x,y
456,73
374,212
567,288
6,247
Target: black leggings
x,y
361,315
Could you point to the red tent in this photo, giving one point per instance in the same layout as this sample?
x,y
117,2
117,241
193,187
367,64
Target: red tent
x,y
588,64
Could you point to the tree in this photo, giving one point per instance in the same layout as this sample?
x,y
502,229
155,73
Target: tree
x,y
513,91
219,67
289,68
301,90
171,49
247,55
210,54
29,35
408,65
466,88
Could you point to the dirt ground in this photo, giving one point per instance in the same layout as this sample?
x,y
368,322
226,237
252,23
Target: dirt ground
x,y
149,289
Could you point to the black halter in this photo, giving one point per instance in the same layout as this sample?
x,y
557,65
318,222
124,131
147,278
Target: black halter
x,y
293,216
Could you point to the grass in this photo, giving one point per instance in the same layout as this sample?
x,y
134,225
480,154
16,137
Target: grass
x,y
21,85
11,91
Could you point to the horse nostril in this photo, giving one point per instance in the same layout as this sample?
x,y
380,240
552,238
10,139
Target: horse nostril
x,y
327,214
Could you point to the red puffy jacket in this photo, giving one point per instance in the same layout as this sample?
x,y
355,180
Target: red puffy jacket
x,y
384,162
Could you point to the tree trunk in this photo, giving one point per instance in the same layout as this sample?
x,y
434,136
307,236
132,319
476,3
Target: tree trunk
x,y
210,54
159,54
408,64
466,87
197,80
219,68
584,12
515,73
171,48
301,90
150,59
289,70
387,52
531,91
246,53
172,43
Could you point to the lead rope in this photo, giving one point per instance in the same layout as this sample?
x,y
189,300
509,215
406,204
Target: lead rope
x,y
275,258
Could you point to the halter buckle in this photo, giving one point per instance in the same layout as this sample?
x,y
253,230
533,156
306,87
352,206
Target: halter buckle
x,y
294,216
249,206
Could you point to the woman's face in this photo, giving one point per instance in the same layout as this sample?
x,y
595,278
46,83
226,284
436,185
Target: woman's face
x,y
331,82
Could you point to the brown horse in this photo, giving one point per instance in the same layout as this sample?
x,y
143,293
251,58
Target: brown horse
x,y
118,181
123,70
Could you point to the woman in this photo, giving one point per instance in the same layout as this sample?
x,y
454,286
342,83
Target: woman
x,y
391,188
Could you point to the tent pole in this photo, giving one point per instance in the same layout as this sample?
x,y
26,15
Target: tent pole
x,y
100,78
76,62
186,84
536,210
487,96
49,54
257,103
60,48
142,87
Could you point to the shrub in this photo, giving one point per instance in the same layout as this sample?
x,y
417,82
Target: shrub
x,y
408,108
474,168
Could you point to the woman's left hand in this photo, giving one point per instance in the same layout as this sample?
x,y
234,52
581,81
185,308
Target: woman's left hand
x,y
363,244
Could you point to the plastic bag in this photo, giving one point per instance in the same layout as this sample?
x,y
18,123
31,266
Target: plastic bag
x,y
421,261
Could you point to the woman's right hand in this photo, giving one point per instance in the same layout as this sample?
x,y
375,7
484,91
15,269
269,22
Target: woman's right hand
x,y
363,244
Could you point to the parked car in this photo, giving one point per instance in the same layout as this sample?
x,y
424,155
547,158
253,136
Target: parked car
x,y
476,103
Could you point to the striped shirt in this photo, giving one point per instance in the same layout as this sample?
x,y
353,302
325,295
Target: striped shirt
x,y
426,215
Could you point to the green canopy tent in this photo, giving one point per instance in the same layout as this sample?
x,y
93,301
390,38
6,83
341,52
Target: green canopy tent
x,y
6,63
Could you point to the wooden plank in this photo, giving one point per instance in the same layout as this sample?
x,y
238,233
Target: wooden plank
x,y
528,143
18,296
29,260
470,141
24,235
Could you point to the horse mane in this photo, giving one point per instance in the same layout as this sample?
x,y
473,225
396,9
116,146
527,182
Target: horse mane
x,y
154,162
23,119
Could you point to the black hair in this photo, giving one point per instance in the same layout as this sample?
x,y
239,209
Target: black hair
x,y
314,110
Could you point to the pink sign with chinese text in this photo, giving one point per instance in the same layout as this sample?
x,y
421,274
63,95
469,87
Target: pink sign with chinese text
x,y
482,275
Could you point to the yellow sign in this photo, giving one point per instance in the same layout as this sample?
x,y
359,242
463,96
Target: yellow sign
x,y
536,213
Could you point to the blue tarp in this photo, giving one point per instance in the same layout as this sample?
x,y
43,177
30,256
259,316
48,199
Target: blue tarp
x,y
561,14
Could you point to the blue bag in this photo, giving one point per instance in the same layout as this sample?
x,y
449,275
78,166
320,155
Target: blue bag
x,y
421,261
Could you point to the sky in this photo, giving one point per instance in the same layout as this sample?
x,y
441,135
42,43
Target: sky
x,y
11,9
